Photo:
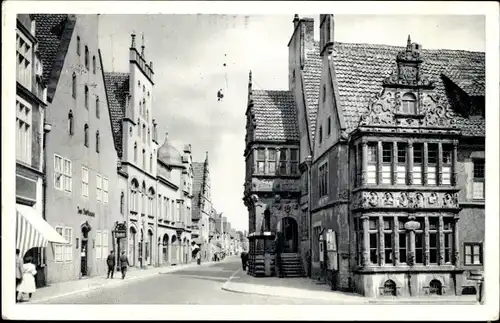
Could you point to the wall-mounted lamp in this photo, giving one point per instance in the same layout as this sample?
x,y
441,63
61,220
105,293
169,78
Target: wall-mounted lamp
x,y
47,127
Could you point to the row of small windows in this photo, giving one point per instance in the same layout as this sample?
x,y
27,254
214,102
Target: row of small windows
x,y
286,159
86,96
148,141
143,87
144,157
71,131
394,161
87,55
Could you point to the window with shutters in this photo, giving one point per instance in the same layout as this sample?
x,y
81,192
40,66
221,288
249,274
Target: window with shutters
x,y
478,181
85,181
371,168
59,248
68,171
473,253
105,244
432,159
105,193
68,249
417,163
98,185
98,245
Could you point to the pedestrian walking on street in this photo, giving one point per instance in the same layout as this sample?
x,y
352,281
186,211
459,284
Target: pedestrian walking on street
x,y
244,260
111,264
124,264
19,271
198,258
27,285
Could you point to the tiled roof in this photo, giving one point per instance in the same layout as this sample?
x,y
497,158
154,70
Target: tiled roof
x,y
312,69
360,69
48,31
275,115
117,87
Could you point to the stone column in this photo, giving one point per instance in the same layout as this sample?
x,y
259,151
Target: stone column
x,y
366,241
456,242
379,162
395,233
425,162
381,241
410,163
441,240
454,179
439,179
364,162
426,241
394,163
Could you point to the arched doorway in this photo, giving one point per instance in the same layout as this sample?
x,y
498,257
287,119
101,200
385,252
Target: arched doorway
x,y
165,248
390,288
174,246
131,245
149,248
290,234
435,287
84,251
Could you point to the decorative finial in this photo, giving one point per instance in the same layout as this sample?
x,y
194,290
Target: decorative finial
x,y
408,42
142,47
296,17
133,40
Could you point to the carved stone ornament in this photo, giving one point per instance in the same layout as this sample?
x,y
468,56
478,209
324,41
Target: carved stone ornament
x,y
380,110
388,199
344,194
288,208
432,199
418,201
373,199
448,200
403,199
296,206
277,198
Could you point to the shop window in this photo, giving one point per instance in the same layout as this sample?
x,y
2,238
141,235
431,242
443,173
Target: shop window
x,y
417,163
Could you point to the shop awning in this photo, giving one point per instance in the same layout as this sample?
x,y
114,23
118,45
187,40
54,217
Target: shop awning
x,y
33,231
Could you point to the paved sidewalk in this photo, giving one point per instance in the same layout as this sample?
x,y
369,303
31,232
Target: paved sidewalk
x,y
87,284
306,288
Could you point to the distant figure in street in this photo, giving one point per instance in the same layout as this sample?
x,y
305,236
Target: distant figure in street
x,y
124,264
244,260
198,258
19,271
27,285
111,264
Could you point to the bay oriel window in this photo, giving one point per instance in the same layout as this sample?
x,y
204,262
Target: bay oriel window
x,y
403,163
276,161
384,241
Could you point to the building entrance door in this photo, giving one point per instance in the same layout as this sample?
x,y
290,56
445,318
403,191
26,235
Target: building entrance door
x,y
291,234
84,249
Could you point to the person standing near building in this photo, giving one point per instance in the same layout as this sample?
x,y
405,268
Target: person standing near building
x,y
19,271
111,264
124,264
198,258
27,285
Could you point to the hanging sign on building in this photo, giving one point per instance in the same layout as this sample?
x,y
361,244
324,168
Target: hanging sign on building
x,y
85,212
120,230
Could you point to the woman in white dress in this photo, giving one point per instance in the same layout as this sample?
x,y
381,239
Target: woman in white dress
x,y
27,285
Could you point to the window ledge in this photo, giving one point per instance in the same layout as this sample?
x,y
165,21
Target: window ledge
x,y
406,268
387,187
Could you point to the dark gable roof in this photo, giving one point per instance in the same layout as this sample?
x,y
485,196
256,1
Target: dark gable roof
x,y
360,69
275,115
48,31
117,87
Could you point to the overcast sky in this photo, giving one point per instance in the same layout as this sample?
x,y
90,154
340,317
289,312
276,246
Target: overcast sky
x,y
188,53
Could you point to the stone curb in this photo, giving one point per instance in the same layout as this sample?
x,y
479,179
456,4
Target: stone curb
x,y
107,284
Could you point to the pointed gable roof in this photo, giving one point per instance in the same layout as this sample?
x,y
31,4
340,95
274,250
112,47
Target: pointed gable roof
x,y
117,88
275,115
312,80
361,68
54,32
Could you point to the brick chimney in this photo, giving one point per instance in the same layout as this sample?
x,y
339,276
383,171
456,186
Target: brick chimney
x,y
300,45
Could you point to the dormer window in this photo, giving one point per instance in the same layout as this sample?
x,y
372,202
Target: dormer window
x,y
409,103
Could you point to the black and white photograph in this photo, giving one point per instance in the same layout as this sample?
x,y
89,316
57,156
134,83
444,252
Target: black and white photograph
x,y
250,154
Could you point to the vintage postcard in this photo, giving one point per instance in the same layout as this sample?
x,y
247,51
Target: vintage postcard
x,y
175,154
